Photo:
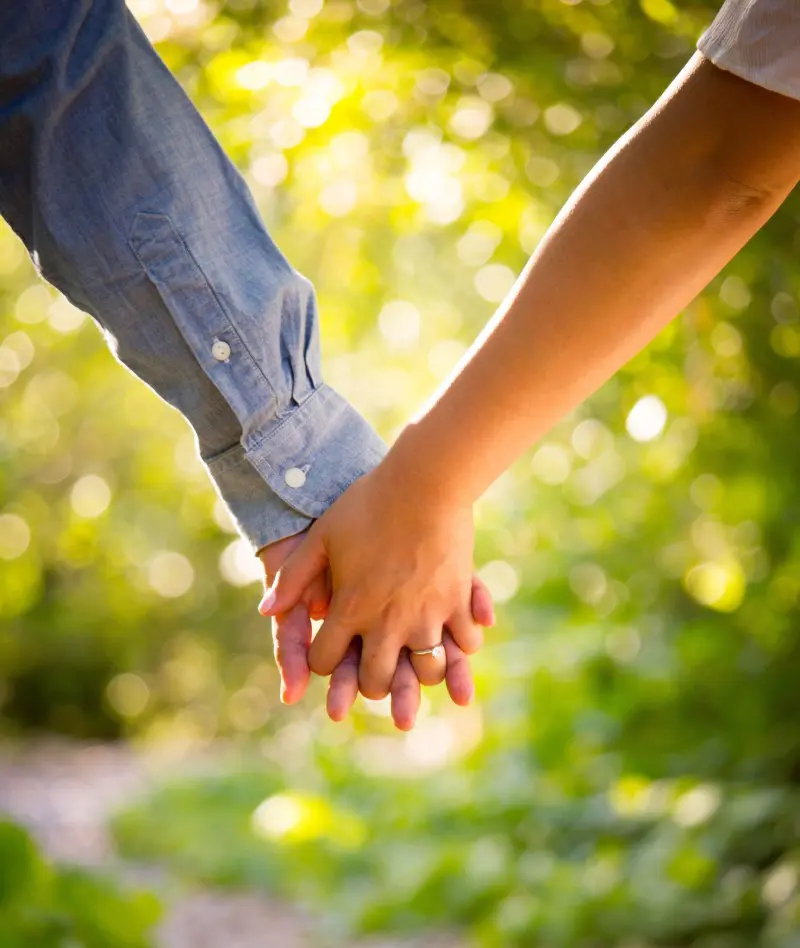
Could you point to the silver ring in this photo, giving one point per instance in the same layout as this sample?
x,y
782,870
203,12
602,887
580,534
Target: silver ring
x,y
436,651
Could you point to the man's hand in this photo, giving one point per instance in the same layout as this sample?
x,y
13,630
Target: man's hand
x,y
291,630
401,571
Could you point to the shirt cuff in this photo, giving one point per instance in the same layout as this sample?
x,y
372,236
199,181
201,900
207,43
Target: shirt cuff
x,y
287,476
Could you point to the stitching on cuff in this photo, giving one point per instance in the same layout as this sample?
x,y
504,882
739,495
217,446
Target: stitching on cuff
x,y
227,459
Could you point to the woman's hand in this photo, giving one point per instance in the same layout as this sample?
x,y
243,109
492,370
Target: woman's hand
x,y
292,637
401,570
406,691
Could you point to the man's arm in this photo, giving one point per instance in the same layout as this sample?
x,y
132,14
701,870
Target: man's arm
x,y
129,206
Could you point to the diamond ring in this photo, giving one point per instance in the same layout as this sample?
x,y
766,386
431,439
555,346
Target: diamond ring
x,y
436,651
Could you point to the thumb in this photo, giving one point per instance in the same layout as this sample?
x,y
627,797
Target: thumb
x,y
299,570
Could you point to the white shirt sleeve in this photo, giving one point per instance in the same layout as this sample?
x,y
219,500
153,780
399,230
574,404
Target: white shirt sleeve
x,y
758,40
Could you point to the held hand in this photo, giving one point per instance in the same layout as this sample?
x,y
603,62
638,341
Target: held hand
x,y
401,570
406,689
291,630
292,636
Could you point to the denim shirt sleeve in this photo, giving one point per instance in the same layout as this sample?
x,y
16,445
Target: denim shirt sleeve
x,y
129,206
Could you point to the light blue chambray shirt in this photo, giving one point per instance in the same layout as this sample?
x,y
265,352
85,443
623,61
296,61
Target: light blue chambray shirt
x,y
128,205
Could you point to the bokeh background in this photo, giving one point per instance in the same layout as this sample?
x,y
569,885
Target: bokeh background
x,y
628,775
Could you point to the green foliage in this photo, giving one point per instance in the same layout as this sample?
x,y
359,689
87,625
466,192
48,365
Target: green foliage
x,y
629,775
42,906
513,860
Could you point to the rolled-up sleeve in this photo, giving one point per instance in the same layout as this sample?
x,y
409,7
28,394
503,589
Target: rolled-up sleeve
x,y
757,40
129,206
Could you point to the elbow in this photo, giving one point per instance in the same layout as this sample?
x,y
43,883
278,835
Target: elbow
x,y
742,206
744,200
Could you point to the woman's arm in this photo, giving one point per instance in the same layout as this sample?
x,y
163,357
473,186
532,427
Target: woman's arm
x,y
659,216
653,223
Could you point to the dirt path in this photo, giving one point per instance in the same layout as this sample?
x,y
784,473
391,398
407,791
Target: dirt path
x,y
65,793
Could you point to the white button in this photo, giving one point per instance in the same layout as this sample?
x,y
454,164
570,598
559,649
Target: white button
x,y
294,477
221,350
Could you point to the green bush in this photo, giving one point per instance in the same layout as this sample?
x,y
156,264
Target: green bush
x,y
45,906
511,860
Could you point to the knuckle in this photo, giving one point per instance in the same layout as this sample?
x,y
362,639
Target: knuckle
x,y
456,657
350,661
459,676
340,674
348,605
344,675
285,655
403,691
394,615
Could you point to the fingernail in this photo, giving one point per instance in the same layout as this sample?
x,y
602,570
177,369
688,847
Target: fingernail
x,y
267,602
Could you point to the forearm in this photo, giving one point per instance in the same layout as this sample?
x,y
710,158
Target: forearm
x,y
660,215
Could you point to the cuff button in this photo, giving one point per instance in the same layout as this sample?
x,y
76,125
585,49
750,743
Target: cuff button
x,y
294,477
221,350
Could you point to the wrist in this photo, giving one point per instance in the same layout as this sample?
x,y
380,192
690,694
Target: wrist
x,y
273,554
419,471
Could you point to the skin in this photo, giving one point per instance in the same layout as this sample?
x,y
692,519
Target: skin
x,y
390,617
657,218
292,632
